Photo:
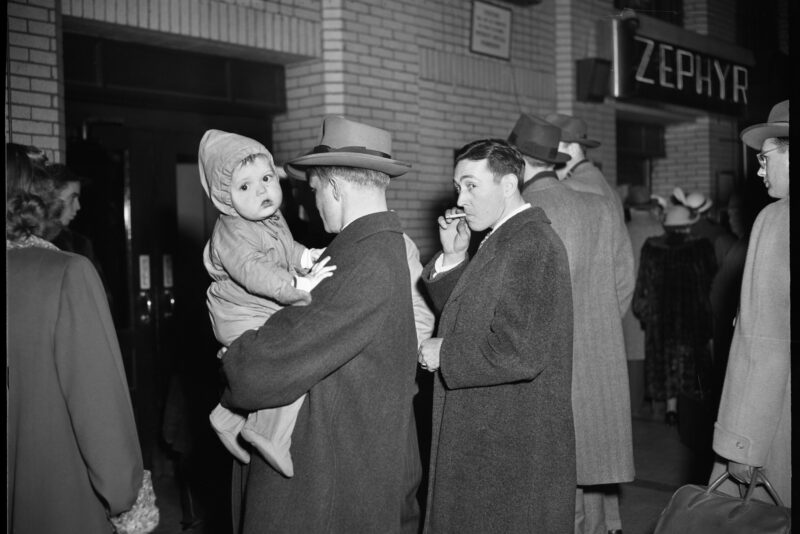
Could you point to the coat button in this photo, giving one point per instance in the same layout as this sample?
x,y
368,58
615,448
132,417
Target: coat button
x,y
739,445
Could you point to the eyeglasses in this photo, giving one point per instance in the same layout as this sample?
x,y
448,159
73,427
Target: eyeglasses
x,y
762,160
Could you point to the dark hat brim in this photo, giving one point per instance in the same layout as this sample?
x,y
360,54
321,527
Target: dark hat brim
x,y
543,153
394,168
754,136
588,143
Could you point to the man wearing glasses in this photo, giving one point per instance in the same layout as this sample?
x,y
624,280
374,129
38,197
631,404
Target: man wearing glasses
x,y
753,428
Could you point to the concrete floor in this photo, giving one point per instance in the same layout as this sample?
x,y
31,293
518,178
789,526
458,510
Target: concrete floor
x,y
662,465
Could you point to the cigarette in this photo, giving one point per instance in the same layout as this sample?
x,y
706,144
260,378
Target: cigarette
x,y
456,216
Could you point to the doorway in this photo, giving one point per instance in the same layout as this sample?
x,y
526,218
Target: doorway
x,y
148,219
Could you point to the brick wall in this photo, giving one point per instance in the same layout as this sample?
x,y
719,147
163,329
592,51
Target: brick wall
x,y
714,18
402,65
34,91
576,39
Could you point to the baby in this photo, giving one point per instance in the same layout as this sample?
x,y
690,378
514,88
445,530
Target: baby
x,y
253,262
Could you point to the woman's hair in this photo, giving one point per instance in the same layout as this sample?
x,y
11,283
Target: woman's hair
x,y
32,203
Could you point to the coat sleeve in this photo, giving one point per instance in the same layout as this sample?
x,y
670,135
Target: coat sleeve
x,y
642,293
530,319
440,286
253,262
95,389
423,316
759,365
624,269
300,345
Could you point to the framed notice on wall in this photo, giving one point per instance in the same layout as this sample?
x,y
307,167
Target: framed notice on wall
x,y
491,30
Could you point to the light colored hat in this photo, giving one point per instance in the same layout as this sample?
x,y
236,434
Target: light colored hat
x,y
697,202
777,125
573,129
347,143
537,139
679,215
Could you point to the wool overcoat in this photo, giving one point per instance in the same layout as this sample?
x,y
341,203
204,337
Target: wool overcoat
x,y
353,351
503,442
73,452
754,424
602,275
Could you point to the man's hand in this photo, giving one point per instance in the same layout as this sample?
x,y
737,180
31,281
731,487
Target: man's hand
x,y
319,272
741,472
454,235
428,354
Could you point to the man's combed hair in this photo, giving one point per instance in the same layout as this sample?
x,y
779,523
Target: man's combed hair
x,y
501,158
353,175
782,142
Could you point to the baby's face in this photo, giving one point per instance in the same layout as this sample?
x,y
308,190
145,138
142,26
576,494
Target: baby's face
x,y
256,190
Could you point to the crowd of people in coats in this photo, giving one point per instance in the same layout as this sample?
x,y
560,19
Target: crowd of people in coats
x,y
541,338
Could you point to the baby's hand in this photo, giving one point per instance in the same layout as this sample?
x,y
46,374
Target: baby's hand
x,y
316,253
319,272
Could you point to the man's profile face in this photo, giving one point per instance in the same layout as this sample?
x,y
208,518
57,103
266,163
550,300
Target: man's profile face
x,y
775,171
327,205
71,195
479,194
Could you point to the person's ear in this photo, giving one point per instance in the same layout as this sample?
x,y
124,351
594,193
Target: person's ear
x,y
336,188
510,184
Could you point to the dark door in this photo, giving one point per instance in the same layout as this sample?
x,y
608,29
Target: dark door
x,y
148,218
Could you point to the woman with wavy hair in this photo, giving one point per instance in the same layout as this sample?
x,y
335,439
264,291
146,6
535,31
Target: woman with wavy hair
x,y
73,461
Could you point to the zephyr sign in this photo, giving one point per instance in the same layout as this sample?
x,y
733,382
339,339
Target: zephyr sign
x,y
673,68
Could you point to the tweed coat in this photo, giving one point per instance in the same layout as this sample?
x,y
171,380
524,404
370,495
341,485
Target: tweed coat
x,y
602,275
502,447
585,176
755,414
353,351
73,453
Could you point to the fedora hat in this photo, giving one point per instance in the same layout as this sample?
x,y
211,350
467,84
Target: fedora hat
x,y
573,130
537,139
347,143
777,125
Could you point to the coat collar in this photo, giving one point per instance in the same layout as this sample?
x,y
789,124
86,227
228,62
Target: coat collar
x,y
574,168
371,224
540,181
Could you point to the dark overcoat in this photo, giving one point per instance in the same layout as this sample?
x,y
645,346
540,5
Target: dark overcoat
x,y
353,351
503,443
73,452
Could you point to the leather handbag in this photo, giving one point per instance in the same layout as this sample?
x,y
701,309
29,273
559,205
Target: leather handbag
x,y
697,509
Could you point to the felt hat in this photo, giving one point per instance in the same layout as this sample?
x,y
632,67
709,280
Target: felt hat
x,y
347,143
697,202
777,125
678,216
537,139
639,197
573,129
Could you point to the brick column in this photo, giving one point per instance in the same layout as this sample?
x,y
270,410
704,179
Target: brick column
x,y
34,85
